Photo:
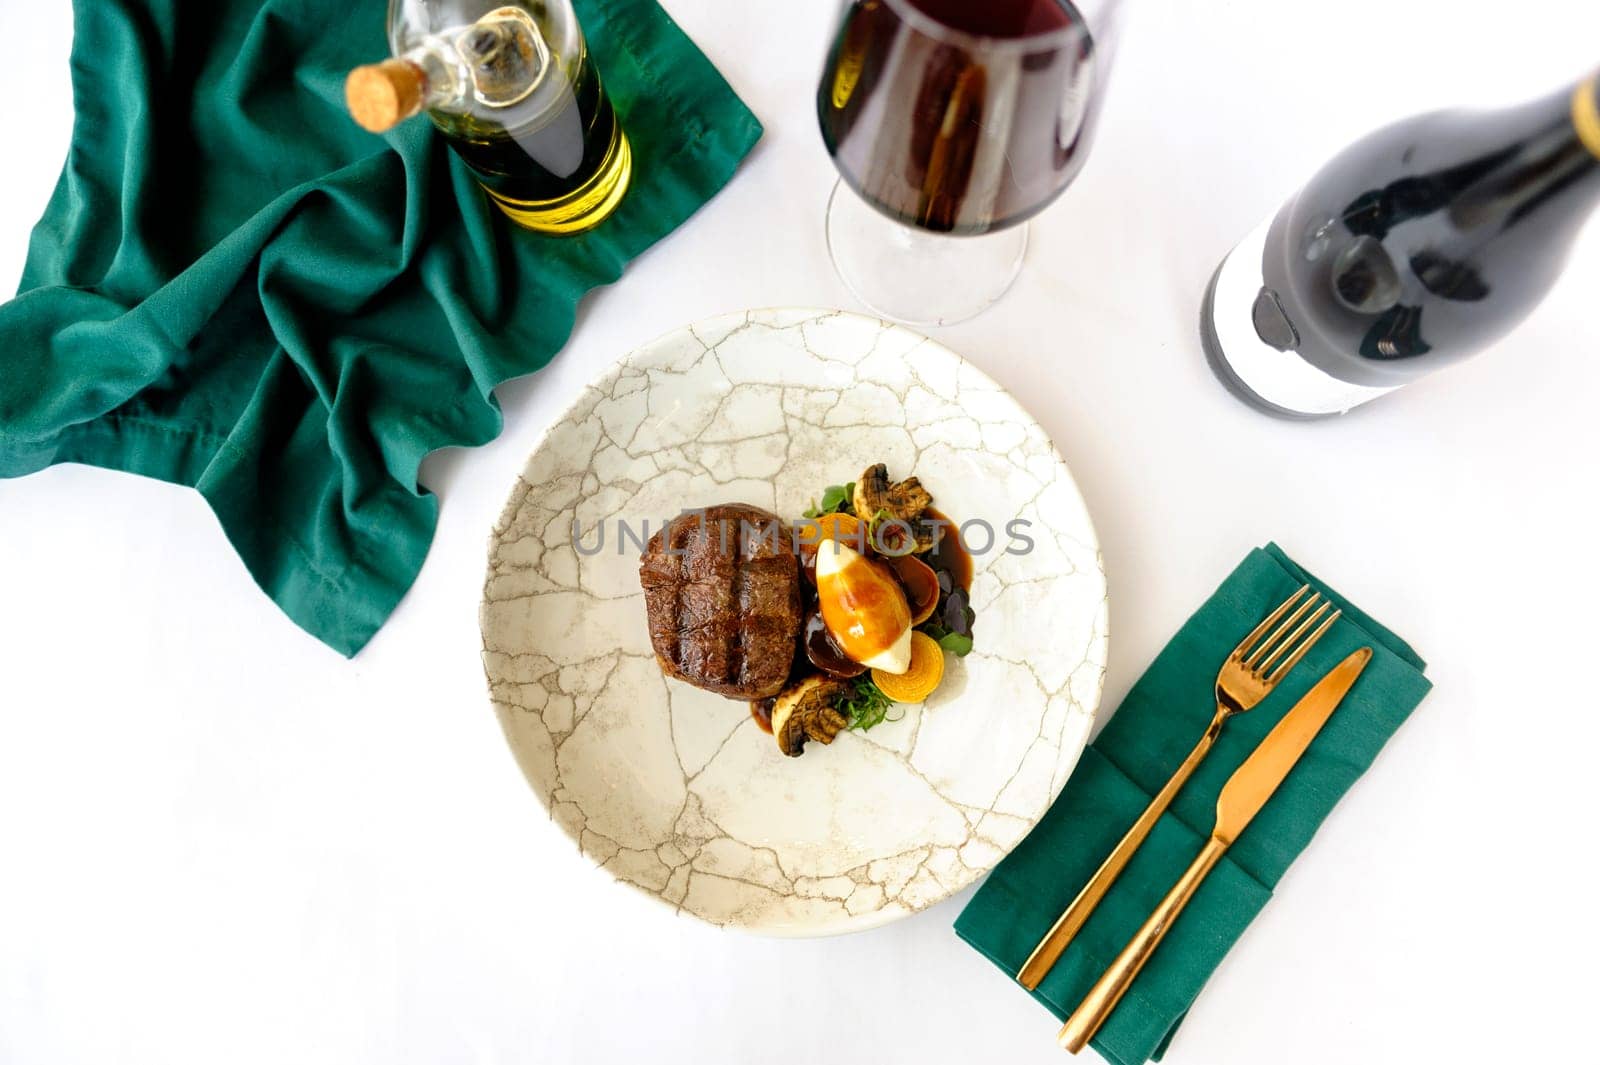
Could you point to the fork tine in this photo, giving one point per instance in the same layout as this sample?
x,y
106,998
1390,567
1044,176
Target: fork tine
x,y
1290,640
1300,652
1277,633
1248,643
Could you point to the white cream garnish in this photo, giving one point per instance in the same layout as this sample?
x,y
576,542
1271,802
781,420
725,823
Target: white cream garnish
x,y
896,659
832,557
864,608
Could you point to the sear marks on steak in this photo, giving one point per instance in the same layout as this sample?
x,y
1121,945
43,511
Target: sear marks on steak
x,y
722,596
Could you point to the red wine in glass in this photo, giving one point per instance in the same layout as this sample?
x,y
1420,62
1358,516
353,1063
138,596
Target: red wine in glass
x,y
958,116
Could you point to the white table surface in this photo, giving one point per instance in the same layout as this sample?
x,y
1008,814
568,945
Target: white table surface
x,y
222,842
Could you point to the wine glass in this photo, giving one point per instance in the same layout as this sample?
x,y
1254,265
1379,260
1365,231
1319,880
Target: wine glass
x,y
951,124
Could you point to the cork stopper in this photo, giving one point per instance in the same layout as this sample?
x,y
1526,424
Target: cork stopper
x,y
382,95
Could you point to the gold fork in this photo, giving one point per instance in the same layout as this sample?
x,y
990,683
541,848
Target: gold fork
x,y
1255,667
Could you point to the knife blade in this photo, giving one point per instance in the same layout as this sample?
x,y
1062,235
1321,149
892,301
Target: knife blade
x,y
1253,783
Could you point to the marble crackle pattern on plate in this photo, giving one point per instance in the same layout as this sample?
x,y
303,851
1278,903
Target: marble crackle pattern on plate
x,y
677,791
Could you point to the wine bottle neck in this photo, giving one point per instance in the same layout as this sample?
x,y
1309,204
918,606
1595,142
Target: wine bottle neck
x,y
1546,169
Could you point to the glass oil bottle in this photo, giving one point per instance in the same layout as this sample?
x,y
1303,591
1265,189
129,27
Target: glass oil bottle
x,y
514,90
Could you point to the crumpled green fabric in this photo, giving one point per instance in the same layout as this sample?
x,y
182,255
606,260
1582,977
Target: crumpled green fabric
x,y
1155,727
236,288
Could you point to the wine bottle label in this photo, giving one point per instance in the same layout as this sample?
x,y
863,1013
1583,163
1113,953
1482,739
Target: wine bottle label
x,y
1259,351
1586,114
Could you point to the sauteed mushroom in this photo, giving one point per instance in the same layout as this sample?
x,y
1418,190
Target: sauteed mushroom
x,y
875,496
894,508
804,711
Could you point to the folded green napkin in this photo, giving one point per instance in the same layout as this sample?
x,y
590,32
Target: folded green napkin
x,y
235,288
1158,723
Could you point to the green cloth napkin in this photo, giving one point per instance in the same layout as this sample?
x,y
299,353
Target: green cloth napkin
x,y
1158,723
235,288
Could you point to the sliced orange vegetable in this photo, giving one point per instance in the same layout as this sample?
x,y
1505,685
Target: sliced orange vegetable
x,y
924,675
845,528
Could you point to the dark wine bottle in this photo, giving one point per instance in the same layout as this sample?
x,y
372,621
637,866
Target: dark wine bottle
x,y
1413,249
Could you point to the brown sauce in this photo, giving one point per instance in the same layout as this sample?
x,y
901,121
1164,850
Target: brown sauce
x,y
761,711
948,554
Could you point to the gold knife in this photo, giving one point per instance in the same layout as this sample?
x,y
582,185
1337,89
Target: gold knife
x,y
1246,792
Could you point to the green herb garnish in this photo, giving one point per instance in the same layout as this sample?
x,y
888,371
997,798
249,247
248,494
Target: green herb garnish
x,y
957,643
836,499
864,705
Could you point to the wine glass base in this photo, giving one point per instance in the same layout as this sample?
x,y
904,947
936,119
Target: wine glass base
x,y
912,275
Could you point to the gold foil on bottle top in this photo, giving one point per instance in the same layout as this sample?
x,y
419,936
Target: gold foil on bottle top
x,y
1586,114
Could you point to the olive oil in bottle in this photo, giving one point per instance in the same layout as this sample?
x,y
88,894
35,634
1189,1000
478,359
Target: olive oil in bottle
x,y
516,94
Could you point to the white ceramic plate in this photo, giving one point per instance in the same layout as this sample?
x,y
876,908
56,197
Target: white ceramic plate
x,y
678,791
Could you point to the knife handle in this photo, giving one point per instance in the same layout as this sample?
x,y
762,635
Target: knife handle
x,y
1115,981
1067,926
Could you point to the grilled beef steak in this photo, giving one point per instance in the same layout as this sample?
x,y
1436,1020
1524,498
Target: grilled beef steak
x,y
722,594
